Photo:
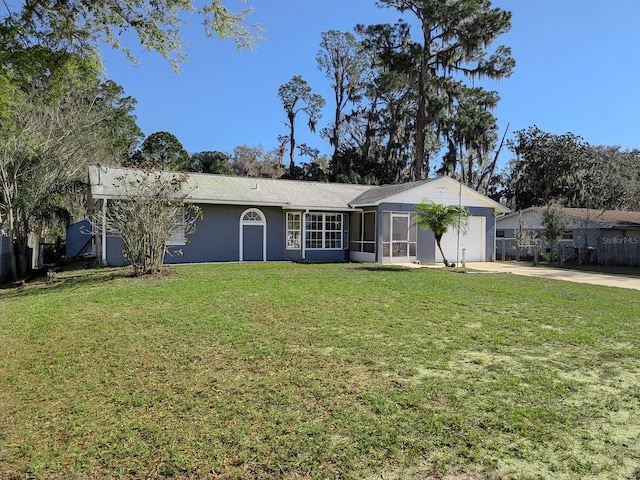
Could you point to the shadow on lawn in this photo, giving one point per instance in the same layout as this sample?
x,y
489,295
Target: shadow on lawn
x,y
362,266
385,268
40,283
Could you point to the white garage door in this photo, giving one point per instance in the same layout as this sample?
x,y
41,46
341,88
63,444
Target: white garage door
x,y
473,242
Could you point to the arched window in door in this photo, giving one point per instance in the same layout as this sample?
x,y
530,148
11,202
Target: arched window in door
x,y
253,235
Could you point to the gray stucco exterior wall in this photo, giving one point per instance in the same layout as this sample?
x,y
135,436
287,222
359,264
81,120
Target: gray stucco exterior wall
x,y
217,239
327,255
217,236
426,246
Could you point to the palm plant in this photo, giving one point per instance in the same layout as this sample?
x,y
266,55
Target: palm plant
x,y
439,218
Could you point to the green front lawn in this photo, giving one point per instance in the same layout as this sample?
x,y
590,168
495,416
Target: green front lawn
x,y
295,371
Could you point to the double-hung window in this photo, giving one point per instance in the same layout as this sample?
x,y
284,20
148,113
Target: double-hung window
x,y
176,229
293,230
323,231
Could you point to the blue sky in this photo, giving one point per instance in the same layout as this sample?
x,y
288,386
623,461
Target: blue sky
x,y
577,70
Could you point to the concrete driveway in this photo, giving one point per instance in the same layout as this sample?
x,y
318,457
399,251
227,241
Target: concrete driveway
x,y
558,274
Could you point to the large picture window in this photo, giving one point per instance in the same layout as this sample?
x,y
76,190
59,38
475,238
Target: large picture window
x,y
323,231
293,231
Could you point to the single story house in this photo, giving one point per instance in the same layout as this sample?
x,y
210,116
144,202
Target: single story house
x,y
264,219
607,237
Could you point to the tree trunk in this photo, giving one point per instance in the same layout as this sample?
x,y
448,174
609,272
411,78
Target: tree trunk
x,y
335,133
17,247
446,262
292,142
369,132
421,115
12,245
420,124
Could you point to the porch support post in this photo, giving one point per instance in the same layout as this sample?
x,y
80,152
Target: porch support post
x,y
104,232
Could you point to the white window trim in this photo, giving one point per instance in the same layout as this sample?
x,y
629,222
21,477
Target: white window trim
x,y
324,230
176,234
288,231
176,239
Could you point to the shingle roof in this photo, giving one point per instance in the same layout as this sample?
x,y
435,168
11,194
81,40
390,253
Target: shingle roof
x,y
380,193
597,218
614,218
220,189
231,190
269,191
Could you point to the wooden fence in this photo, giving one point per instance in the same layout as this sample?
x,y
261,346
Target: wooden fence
x,y
606,252
627,254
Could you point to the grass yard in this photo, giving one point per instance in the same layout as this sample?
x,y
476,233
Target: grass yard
x,y
289,371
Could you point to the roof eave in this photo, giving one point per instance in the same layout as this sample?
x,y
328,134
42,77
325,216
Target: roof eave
x,y
318,208
283,205
362,205
205,201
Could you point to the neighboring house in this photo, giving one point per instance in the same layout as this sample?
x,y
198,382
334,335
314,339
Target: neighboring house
x,y
258,219
607,237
